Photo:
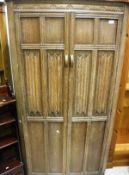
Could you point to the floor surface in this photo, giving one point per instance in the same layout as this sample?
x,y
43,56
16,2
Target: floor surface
x,y
117,171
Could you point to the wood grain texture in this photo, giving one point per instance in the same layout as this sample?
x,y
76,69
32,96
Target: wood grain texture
x,y
30,30
87,5
4,49
82,80
53,25
55,144
108,31
15,1
36,133
33,82
77,146
123,131
76,72
116,88
18,86
120,112
55,82
84,34
103,78
95,146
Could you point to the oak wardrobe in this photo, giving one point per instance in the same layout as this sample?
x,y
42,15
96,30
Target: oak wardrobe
x,y
66,60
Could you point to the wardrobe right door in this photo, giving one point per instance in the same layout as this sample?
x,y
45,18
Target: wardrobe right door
x,y
94,55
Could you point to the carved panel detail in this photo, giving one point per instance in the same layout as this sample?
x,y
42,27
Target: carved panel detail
x,y
55,82
82,79
103,81
33,82
100,7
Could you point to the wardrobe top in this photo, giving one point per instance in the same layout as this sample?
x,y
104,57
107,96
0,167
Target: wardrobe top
x,y
66,1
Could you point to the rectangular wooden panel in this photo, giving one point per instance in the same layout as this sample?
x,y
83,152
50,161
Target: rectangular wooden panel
x,y
103,81
55,147
54,28
36,140
107,31
55,82
82,80
30,30
32,63
78,140
95,145
84,31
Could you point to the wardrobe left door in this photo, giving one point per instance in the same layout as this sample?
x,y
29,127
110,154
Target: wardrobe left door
x,y
42,45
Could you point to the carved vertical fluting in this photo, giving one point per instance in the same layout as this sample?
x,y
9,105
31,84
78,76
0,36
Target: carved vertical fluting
x,y
82,77
55,82
33,82
104,72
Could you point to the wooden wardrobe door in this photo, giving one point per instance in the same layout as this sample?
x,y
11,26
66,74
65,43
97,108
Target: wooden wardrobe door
x,y
43,50
93,62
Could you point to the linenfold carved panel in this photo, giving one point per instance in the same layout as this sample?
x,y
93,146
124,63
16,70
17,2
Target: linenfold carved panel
x,y
33,82
55,82
103,81
82,81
